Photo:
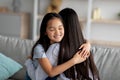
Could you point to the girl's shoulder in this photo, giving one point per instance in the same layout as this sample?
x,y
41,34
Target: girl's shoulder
x,y
55,45
38,46
39,51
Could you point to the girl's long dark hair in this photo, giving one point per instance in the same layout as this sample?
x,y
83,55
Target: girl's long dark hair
x,y
43,39
72,40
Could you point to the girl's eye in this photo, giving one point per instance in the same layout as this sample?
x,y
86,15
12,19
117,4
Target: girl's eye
x,y
51,29
60,28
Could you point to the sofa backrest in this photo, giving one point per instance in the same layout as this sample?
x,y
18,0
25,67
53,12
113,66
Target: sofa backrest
x,y
18,50
107,60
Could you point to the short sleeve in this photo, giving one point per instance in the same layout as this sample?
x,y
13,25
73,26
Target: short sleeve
x,y
39,52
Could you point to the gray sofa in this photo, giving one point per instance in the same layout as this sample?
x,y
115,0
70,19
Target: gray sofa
x,y
106,58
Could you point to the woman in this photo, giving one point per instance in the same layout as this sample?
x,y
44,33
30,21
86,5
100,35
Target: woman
x,y
70,43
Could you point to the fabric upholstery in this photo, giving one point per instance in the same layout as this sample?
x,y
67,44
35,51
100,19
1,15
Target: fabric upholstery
x,y
18,50
106,58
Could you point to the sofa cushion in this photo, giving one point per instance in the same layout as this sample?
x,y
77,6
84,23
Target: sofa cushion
x,y
8,67
17,49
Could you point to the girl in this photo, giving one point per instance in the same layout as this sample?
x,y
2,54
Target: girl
x,y
45,63
72,39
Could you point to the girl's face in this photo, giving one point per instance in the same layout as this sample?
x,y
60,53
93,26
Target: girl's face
x,y
55,30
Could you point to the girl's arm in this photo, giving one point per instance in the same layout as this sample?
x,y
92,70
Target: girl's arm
x,y
55,70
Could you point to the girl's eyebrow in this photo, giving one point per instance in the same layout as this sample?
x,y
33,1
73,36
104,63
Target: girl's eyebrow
x,y
53,26
50,26
60,25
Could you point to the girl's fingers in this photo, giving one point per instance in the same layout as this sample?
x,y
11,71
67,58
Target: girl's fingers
x,y
88,54
81,47
84,54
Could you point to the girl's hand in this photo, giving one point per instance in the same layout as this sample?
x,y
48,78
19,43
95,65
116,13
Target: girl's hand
x,y
78,57
55,70
85,49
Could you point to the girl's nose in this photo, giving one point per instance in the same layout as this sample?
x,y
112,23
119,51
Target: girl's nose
x,y
57,31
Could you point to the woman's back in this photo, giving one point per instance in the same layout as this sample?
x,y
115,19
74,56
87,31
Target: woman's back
x,y
72,39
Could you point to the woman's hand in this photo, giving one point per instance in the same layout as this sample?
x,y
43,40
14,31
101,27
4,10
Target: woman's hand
x,y
85,49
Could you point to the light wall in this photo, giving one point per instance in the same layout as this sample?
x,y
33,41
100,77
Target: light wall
x,y
99,31
26,6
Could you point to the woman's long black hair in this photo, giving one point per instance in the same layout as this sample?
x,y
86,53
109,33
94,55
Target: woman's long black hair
x,y
72,40
43,39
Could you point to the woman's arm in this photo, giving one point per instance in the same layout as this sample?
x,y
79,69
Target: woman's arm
x,y
55,70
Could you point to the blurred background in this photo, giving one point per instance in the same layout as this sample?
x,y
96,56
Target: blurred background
x,y
22,18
